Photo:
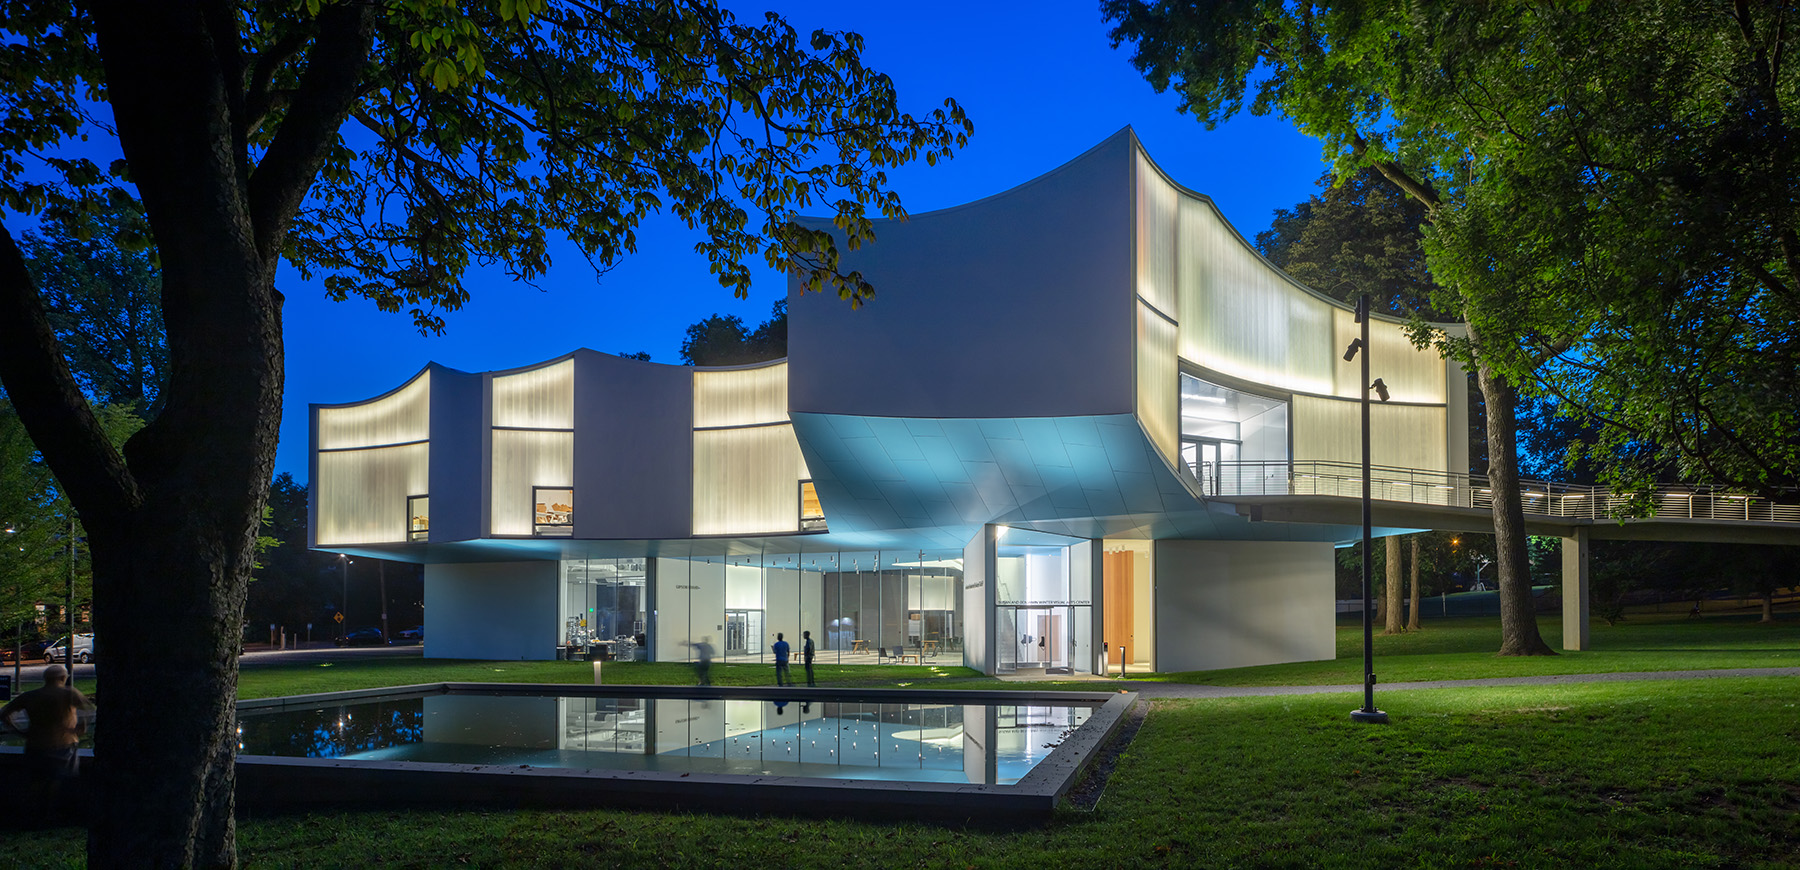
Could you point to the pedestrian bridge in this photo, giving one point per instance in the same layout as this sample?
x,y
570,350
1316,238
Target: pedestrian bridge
x,y
1405,498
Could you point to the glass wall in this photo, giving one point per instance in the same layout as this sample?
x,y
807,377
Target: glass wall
x,y
1233,442
862,607
372,458
533,448
1043,600
604,613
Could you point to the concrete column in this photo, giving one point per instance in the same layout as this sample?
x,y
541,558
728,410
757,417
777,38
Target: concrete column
x,y
1097,611
1575,590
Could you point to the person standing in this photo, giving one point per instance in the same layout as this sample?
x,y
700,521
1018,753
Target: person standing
x,y
806,655
781,662
54,728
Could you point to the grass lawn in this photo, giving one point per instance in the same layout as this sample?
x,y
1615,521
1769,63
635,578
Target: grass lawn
x,y
1676,774
267,681
1463,649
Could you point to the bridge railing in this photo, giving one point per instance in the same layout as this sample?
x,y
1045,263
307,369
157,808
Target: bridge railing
x,y
1543,498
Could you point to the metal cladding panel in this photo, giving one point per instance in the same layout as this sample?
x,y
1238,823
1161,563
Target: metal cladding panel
x,y
456,462
633,448
1018,305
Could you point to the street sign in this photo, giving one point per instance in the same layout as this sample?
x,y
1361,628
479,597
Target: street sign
x,y
339,617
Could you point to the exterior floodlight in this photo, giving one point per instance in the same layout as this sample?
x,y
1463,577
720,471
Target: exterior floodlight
x,y
1380,389
1356,344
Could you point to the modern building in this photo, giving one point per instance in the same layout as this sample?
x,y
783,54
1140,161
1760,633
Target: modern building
x,y
1027,452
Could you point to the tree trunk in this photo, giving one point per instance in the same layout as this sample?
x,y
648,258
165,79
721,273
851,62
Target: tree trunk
x,y
1412,616
1768,607
1518,618
1391,593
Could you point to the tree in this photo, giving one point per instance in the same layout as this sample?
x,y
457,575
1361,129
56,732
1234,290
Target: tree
x,y
102,292
1634,218
1391,619
720,340
476,131
1346,74
1412,612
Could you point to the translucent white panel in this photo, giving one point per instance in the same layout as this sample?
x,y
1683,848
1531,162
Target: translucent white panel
x,y
1403,436
740,397
362,493
1158,381
743,587
542,398
397,418
746,481
522,460
1156,222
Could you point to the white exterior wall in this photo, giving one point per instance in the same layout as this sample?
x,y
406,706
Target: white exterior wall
x,y
492,610
1234,604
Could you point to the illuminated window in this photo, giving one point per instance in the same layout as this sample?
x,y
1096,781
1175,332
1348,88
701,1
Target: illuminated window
x,y
418,517
554,510
812,513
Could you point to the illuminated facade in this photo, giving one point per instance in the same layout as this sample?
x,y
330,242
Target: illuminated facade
x,y
1023,454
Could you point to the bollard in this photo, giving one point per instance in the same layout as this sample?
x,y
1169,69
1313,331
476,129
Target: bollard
x,y
596,671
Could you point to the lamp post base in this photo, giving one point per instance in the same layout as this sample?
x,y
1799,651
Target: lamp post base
x,y
1369,717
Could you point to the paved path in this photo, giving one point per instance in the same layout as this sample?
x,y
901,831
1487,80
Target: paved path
x,y
1151,689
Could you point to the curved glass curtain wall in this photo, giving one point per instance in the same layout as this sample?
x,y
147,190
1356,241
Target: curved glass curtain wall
x,y
862,606
1233,442
533,448
373,467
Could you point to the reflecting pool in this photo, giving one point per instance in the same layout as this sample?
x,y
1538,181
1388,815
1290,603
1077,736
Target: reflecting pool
x,y
993,744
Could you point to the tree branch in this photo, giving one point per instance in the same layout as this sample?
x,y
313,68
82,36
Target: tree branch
x,y
1394,172
259,96
318,108
49,402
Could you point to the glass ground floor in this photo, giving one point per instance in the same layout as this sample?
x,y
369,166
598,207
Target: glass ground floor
x,y
866,607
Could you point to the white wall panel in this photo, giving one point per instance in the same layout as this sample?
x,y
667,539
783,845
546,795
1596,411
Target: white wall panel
x,y
524,459
1403,436
1158,382
741,397
493,610
1233,604
1157,201
746,481
542,398
362,493
397,418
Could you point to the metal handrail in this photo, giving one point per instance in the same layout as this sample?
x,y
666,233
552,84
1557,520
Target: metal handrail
x,y
1542,498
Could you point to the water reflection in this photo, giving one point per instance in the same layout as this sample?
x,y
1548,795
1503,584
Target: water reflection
x,y
972,743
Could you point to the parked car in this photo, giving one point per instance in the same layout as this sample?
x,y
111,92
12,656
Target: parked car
x,y
83,647
362,637
31,650
416,634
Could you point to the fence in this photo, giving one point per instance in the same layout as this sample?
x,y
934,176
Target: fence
x,y
1344,479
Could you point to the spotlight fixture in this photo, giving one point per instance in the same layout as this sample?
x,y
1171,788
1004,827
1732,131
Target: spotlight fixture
x,y
1380,389
1356,344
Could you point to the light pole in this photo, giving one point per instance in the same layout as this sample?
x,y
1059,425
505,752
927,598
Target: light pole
x,y
344,602
1368,713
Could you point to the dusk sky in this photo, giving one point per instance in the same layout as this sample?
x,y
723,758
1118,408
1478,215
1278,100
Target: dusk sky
x,y
1040,83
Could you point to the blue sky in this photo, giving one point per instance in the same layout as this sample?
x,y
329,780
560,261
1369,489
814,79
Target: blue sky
x,y
1041,84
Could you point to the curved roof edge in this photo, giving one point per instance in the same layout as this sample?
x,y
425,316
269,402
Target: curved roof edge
x,y
378,397
1236,233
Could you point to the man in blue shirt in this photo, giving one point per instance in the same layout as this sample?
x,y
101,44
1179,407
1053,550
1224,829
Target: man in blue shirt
x,y
781,662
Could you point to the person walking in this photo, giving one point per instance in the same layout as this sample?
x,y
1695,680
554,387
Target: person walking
x,y
781,662
703,653
806,655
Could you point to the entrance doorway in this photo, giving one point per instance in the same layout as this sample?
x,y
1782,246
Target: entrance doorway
x,y
743,632
1042,638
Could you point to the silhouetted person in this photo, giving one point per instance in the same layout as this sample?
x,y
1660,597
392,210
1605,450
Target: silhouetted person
x,y
806,655
781,662
55,727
